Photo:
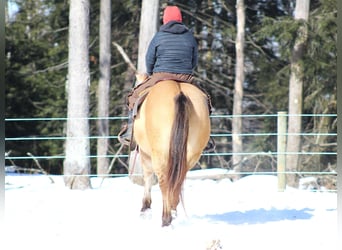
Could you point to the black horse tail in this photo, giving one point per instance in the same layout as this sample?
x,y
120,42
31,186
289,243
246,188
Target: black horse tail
x,y
177,164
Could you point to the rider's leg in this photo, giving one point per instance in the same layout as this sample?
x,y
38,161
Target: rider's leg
x,y
125,135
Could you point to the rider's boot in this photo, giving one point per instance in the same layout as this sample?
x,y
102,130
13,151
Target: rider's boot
x,y
125,135
210,146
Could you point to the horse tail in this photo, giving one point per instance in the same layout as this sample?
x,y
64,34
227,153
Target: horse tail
x,y
177,164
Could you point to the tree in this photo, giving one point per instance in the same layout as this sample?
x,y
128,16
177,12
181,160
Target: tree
x,y
238,86
296,94
104,87
148,27
77,146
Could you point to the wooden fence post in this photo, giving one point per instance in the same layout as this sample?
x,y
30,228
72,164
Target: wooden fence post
x,y
281,150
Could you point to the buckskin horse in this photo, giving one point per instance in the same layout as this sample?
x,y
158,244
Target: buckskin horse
x,y
171,130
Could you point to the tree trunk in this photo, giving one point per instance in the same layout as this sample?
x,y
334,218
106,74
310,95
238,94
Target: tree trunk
x,y
77,162
148,27
238,86
296,96
104,87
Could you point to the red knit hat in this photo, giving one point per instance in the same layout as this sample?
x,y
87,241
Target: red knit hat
x,y
172,13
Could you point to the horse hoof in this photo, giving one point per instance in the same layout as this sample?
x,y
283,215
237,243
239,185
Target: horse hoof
x,y
166,223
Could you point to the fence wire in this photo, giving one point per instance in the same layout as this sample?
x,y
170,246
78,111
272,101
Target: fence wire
x,y
218,135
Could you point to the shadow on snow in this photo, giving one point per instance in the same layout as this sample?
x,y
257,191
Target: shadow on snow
x,y
260,216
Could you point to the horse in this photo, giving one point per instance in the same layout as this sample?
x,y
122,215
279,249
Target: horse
x,y
171,130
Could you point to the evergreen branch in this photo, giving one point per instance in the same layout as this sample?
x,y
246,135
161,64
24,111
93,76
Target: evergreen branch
x,y
250,40
52,68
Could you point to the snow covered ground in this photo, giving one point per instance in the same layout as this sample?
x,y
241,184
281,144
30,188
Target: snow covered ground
x,y
247,214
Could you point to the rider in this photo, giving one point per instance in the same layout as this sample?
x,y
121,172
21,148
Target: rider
x,y
172,55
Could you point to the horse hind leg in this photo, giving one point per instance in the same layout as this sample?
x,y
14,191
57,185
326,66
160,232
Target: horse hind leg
x,y
148,182
147,200
166,215
170,203
169,208
145,212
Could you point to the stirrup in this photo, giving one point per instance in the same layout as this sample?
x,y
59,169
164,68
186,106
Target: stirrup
x,y
210,146
123,137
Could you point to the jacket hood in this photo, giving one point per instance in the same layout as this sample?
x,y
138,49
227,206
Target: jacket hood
x,y
174,27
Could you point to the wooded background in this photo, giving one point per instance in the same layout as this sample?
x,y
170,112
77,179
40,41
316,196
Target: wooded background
x,y
276,45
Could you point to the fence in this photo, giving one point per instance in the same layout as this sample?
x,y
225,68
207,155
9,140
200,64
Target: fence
x,y
280,135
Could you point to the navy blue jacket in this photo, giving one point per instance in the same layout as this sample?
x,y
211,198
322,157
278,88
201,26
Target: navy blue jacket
x,y
173,49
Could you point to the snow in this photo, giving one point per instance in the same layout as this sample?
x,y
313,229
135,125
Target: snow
x,y
219,214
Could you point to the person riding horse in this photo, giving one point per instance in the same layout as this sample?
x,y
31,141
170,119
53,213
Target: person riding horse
x,y
172,55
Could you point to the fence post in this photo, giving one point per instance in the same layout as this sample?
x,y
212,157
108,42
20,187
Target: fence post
x,y
281,150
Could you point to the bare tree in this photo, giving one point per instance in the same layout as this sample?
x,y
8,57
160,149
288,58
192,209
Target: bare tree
x,y
238,86
296,95
104,87
77,162
148,27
